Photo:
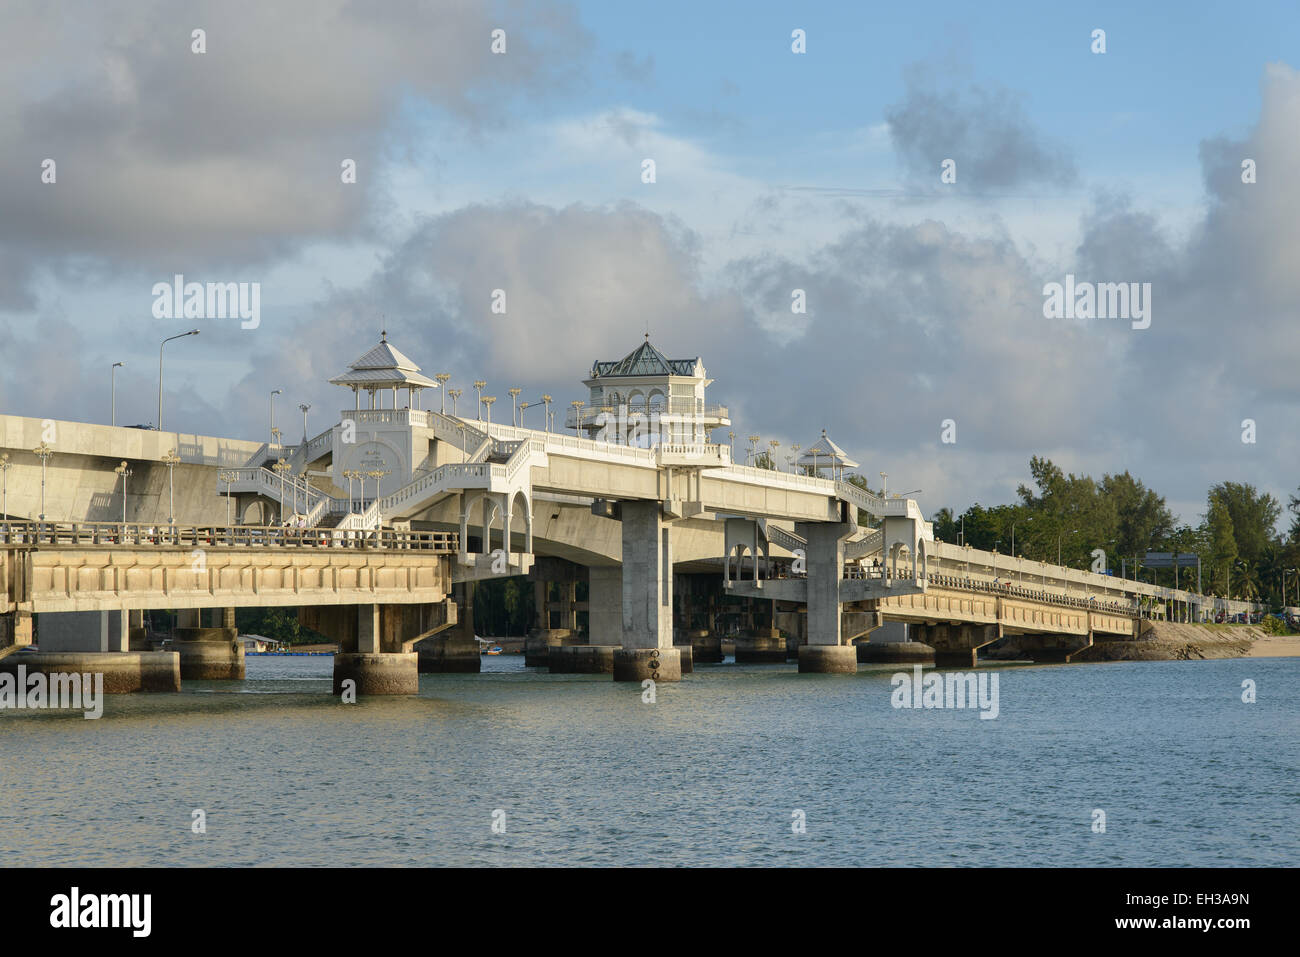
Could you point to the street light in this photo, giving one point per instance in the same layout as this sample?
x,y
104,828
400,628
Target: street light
x,y
546,401
172,459
794,458
304,407
123,471
5,466
1058,545
884,478
192,332
1013,535
376,474
228,478
514,403
577,416
523,407
113,376
775,445
275,436
455,394
488,400
281,466
752,458
43,452
351,474
478,387
443,378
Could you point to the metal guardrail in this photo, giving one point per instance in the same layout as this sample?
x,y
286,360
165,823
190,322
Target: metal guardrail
x,y
108,534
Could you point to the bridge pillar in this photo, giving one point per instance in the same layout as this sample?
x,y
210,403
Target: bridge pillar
x,y
647,650
825,652
456,650
956,646
373,671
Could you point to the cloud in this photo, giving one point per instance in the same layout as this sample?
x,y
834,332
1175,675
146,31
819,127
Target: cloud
x,y
168,159
985,131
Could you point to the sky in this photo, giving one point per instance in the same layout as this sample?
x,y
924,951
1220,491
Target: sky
x,y
774,171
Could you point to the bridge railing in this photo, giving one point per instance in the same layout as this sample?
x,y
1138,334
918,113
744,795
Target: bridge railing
x,y
108,534
1007,589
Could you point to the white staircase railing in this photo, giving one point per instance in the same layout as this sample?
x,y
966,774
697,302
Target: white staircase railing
x,y
868,543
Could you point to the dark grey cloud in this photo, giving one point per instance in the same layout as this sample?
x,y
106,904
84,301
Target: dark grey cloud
x,y
986,131
168,159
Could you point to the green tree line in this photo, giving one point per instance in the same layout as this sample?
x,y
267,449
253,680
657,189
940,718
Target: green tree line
x,y
1242,555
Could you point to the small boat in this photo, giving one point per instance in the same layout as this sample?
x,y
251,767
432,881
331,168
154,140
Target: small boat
x,y
494,650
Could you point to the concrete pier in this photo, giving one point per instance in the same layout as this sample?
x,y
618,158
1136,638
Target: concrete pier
x,y
455,650
125,672
706,648
687,654
638,664
537,646
209,654
376,674
582,659
765,646
895,652
828,659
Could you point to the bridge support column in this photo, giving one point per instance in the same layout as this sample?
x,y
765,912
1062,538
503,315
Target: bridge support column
x,y
705,647
15,631
647,650
209,654
372,671
956,646
456,650
825,652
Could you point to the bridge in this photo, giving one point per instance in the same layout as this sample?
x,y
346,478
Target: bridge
x,y
378,528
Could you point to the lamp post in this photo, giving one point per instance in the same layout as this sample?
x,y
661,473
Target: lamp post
x,y
228,478
1013,535
5,466
43,452
350,474
113,376
794,458
546,401
523,407
577,416
281,467
514,404
1058,545
376,474
172,459
304,407
487,400
275,435
775,445
275,438
442,378
731,441
478,387
455,394
192,332
752,458
123,471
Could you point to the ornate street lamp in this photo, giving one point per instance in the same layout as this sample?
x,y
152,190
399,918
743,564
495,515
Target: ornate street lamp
x,y
43,452
123,471
443,378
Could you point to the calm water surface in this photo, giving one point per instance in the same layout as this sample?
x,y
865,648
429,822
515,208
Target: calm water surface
x,y
709,775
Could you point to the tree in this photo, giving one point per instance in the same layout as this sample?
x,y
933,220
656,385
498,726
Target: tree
x,y
1222,543
1254,515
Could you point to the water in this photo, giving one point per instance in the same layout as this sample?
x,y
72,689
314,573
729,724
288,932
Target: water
x,y
586,773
